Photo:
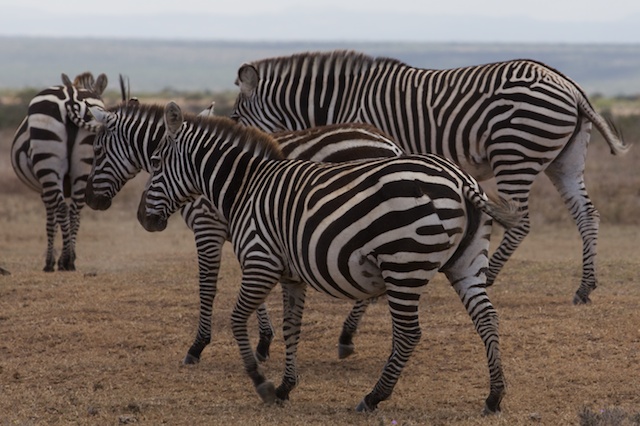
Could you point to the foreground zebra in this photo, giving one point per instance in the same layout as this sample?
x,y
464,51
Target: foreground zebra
x,y
511,120
52,154
132,131
352,230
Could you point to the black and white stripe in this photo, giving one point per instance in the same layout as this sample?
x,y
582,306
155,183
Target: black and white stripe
x,y
511,120
123,147
52,154
351,230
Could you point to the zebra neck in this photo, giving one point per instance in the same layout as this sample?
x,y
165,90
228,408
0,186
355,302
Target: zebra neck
x,y
146,139
225,176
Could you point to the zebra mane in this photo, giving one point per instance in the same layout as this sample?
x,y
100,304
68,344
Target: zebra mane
x,y
249,138
84,81
349,59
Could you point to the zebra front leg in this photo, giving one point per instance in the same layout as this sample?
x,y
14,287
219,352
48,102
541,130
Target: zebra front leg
x,y
256,286
349,328
293,298
209,238
406,335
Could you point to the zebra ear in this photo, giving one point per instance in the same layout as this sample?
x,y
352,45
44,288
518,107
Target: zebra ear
x,y
172,118
247,79
99,114
208,111
100,84
66,80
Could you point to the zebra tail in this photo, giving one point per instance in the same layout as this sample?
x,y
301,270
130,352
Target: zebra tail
x,y
506,212
606,127
74,115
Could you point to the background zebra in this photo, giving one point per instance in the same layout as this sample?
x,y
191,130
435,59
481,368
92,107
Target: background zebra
x,y
511,120
52,154
351,230
132,132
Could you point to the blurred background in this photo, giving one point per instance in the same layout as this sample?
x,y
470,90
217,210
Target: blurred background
x,y
190,51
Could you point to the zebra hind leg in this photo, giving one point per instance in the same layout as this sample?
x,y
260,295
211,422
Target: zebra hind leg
x,y
510,242
467,277
567,174
349,327
406,335
50,259
66,262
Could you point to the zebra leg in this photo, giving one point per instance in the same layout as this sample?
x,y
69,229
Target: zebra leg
x,y
406,335
510,242
266,332
63,218
467,276
256,286
52,226
349,328
293,298
68,255
567,174
209,240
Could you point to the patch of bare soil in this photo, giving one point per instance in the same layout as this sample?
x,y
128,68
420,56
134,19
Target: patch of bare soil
x,y
104,344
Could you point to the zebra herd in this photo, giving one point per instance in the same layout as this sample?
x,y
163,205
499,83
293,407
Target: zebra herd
x,y
351,174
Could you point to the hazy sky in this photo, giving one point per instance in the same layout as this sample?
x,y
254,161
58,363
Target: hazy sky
x,y
368,20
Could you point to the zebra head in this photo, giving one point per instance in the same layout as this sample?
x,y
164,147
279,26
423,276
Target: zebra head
x,y
164,194
115,161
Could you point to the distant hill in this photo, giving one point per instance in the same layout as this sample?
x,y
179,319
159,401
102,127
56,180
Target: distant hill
x,y
210,66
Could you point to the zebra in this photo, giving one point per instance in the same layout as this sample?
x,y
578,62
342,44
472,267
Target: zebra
x,y
52,154
511,120
131,132
350,230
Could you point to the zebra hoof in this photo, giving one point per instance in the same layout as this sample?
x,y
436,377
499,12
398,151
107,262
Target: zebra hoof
x,y
492,404
486,411
345,351
363,407
267,392
581,300
190,360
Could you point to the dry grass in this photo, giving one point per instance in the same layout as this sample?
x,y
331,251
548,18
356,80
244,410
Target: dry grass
x,y
103,345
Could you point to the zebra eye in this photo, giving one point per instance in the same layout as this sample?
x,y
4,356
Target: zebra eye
x,y
97,149
155,162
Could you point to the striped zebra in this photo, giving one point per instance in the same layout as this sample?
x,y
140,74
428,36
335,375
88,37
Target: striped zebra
x,y
52,154
351,230
132,132
511,120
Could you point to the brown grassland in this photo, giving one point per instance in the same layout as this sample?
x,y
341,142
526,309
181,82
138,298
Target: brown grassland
x,y
103,345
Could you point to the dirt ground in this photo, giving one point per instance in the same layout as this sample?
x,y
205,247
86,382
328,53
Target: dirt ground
x,y
103,345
